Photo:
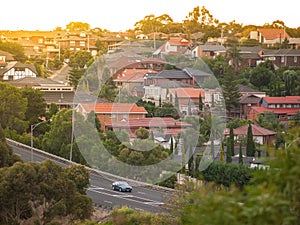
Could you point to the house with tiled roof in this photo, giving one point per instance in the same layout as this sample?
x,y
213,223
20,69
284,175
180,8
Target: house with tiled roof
x,y
174,46
282,57
186,76
285,108
108,113
187,97
168,125
54,92
260,135
16,70
5,57
269,36
246,103
131,78
206,50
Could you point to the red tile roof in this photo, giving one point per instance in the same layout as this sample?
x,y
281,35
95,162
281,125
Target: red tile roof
x,y
116,108
256,131
282,100
154,122
179,41
132,75
187,92
288,111
271,33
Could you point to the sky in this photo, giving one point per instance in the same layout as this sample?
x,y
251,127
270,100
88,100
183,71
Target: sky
x,y
121,15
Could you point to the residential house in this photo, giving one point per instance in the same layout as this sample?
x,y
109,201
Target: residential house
x,y
124,60
246,103
282,57
261,135
54,92
247,91
285,108
110,113
160,92
269,36
174,46
131,78
166,125
5,57
250,56
16,70
186,76
206,50
188,99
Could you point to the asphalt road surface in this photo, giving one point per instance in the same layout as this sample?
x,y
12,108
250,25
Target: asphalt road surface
x,y
141,198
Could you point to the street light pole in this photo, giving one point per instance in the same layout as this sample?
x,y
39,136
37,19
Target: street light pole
x,y
32,127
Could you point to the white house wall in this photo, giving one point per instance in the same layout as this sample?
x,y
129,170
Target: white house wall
x,y
18,74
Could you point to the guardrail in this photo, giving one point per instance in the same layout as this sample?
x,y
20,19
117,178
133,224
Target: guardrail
x,y
92,170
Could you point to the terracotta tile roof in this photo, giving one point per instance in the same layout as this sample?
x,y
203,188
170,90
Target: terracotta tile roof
x,y
288,111
271,33
154,122
282,100
131,75
179,41
256,131
187,92
116,108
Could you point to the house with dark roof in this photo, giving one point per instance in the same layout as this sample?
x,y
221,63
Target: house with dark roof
x,y
5,57
186,76
16,70
282,57
54,92
245,90
246,103
260,135
210,51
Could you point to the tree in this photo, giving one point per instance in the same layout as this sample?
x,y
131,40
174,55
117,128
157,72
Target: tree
x,y
142,133
234,57
250,145
80,176
231,137
231,93
13,108
36,107
77,26
221,153
200,102
261,77
14,48
228,152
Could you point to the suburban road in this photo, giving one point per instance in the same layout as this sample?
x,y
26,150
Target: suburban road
x,y
141,198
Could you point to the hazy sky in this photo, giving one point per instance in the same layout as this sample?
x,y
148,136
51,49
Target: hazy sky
x,y
120,15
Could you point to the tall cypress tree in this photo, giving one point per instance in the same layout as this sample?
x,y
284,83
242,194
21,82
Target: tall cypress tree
x,y
228,152
176,102
231,92
231,136
221,153
200,102
250,146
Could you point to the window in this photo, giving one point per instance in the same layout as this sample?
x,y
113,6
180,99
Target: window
x,y
82,43
282,59
295,59
72,43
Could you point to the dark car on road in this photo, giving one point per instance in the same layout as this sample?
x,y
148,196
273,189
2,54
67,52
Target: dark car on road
x,y
121,186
